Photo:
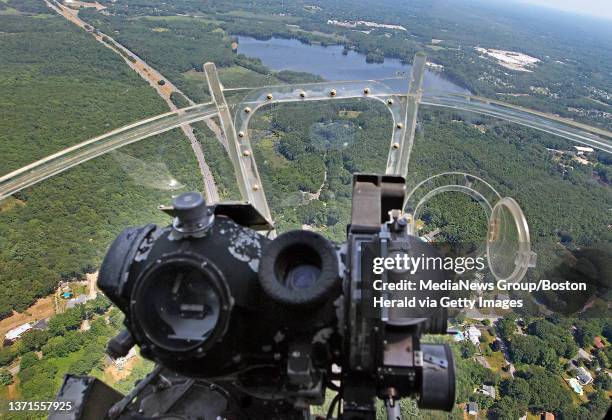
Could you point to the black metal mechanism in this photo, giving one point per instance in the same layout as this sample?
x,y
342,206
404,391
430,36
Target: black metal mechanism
x,y
383,346
89,397
242,326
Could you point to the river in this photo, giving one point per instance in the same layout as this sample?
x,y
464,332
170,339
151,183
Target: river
x,y
329,62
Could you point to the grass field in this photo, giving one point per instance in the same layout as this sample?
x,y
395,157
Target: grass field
x,y
191,18
245,14
237,76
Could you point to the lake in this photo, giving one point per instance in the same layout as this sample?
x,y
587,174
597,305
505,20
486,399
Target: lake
x,y
329,63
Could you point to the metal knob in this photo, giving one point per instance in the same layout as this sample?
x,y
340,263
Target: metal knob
x,y
191,215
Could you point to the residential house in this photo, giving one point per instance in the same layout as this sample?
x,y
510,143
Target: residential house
x,y
581,150
488,390
473,334
79,300
598,343
41,325
472,408
583,376
15,333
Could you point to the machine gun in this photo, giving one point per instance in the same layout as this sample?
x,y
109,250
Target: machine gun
x,y
244,326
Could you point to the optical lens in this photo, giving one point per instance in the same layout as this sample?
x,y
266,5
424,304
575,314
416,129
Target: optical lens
x,y
303,276
178,306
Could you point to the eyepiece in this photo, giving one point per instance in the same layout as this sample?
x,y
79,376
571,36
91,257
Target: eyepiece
x,y
299,268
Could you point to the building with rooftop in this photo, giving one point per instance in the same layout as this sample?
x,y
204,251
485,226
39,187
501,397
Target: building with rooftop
x,y
79,300
582,150
488,390
473,334
583,376
41,325
15,333
472,408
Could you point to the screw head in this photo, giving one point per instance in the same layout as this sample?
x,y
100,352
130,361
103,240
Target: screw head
x,y
332,92
389,101
241,134
247,109
246,153
255,187
302,94
366,91
396,145
400,125
269,96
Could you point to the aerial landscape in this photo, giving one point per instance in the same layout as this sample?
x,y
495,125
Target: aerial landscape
x,y
520,97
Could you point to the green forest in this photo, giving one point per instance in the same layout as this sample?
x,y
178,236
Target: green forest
x,y
60,87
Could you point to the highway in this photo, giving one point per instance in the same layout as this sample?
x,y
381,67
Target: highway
x,y
595,130
152,76
576,132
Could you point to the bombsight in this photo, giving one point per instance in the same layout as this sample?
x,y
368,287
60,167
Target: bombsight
x,y
245,326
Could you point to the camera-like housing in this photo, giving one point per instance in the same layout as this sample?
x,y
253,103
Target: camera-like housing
x,y
209,297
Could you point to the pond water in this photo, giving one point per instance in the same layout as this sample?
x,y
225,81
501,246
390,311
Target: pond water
x,y
331,64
